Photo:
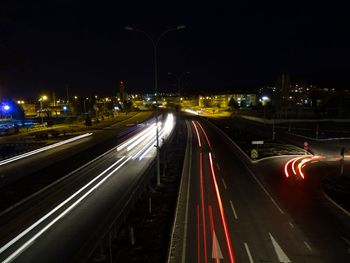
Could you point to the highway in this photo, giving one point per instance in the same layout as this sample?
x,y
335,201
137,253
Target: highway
x,y
65,223
240,212
28,175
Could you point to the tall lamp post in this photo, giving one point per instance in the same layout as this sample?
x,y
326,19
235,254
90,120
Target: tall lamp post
x,y
42,98
155,43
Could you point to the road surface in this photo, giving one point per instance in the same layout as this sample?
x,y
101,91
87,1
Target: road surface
x,y
231,216
64,223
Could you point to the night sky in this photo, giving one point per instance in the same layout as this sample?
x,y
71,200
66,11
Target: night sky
x,y
45,45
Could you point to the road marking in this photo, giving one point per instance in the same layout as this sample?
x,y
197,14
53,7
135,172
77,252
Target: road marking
x,y
216,250
264,189
333,202
224,183
61,215
308,246
233,210
223,218
189,134
291,225
216,253
248,252
282,257
246,166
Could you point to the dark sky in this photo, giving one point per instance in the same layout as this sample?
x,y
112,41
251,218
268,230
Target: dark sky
x,y
45,45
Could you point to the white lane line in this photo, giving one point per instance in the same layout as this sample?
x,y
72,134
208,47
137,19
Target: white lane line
x,y
282,257
264,189
333,202
224,183
248,253
291,225
308,246
184,242
246,166
233,210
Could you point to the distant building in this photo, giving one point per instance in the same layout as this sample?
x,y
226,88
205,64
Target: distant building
x,y
222,100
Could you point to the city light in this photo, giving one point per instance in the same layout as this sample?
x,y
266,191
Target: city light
x,y
6,107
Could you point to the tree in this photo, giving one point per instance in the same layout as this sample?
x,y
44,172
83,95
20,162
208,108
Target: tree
x,y
233,104
88,121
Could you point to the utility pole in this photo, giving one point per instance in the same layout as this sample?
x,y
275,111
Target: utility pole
x,y
67,92
155,43
54,98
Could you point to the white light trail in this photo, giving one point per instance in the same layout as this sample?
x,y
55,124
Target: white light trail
x,y
142,138
22,234
132,139
192,112
150,147
21,156
165,131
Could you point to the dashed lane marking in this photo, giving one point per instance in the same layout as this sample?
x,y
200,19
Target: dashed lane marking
x,y
233,210
248,253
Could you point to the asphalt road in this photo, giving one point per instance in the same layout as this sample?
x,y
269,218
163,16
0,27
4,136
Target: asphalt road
x,y
254,222
64,223
28,175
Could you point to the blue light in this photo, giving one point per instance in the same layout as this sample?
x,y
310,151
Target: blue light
x,y
65,108
6,107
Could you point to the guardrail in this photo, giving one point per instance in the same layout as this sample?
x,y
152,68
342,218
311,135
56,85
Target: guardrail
x,y
176,250
107,231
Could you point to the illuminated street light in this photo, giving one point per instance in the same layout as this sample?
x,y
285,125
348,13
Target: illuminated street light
x,y
264,100
155,45
42,98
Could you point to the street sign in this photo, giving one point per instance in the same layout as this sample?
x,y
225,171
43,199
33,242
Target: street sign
x,y
254,154
258,142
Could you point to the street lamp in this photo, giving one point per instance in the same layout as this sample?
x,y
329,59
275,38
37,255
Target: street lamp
x,y
155,43
264,100
42,98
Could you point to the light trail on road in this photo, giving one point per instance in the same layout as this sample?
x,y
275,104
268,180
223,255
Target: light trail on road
x,y
298,163
204,197
223,218
55,219
21,156
30,235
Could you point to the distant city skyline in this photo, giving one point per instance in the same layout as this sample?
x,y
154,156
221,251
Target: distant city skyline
x,y
47,45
